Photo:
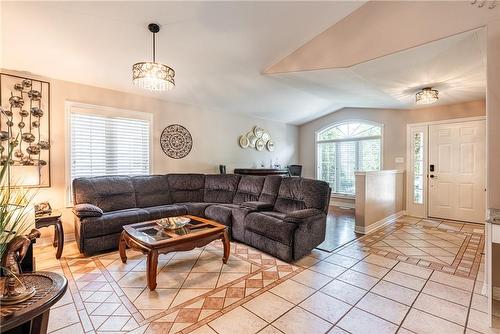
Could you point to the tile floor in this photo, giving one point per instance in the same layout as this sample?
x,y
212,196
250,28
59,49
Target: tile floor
x,y
360,288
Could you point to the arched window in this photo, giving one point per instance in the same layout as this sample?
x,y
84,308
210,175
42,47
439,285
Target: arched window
x,y
345,147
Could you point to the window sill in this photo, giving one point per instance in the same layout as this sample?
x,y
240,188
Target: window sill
x,y
343,196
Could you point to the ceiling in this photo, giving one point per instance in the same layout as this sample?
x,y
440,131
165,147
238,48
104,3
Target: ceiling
x,y
220,50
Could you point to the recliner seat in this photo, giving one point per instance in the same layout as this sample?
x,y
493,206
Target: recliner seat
x,y
285,217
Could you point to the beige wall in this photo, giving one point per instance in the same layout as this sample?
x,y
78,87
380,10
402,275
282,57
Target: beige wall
x,y
379,196
394,122
215,136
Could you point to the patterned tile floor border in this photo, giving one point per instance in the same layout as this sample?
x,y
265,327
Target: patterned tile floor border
x,y
102,304
466,261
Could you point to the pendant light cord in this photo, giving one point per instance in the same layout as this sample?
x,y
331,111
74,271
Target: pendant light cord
x,y
154,48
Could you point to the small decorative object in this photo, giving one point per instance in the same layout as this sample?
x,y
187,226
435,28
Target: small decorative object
x,y
257,138
152,75
222,169
173,223
14,291
427,95
270,145
43,208
24,121
176,141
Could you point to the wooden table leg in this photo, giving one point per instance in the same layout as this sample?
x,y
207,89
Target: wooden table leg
x,y
122,247
54,243
151,268
227,246
40,323
60,238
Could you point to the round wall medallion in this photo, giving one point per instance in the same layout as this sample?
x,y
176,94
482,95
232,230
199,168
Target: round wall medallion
x,y
176,141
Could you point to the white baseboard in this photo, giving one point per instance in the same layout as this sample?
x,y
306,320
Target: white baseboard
x,y
381,223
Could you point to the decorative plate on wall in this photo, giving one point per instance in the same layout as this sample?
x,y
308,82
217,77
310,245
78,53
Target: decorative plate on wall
x,y
176,141
270,145
259,144
244,142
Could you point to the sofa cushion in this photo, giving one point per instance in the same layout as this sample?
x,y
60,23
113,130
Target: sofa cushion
x,y
186,187
151,190
270,189
316,194
196,208
249,188
87,210
220,213
270,227
220,188
110,193
164,211
297,194
112,222
289,196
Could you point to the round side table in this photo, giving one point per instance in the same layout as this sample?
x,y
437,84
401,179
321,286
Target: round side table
x,y
32,315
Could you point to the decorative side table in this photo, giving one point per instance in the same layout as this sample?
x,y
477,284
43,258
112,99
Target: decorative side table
x,y
32,315
50,219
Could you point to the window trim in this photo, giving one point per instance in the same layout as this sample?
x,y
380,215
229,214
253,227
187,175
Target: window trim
x,y
337,123
105,111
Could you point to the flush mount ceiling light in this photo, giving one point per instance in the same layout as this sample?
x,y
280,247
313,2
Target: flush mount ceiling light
x,y
152,75
426,95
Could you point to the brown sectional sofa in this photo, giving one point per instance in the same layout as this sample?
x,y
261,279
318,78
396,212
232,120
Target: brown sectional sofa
x,y
285,217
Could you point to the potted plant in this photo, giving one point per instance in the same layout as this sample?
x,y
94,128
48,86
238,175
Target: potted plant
x,y
15,220
16,217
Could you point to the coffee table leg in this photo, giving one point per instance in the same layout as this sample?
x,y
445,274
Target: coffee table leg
x,y
151,268
60,238
122,247
227,246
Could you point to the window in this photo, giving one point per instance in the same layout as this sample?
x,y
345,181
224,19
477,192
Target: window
x,y
418,167
108,142
344,148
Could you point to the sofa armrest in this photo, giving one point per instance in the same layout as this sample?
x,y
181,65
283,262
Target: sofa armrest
x,y
303,215
258,206
87,210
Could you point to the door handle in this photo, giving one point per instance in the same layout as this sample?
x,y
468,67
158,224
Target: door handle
x,y
433,177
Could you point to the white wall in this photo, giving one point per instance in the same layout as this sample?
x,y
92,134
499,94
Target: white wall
x,y
215,136
379,197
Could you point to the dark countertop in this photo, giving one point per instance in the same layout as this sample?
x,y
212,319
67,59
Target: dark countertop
x,y
260,171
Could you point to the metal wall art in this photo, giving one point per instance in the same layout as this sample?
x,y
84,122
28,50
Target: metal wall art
x,y
176,141
25,122
257,138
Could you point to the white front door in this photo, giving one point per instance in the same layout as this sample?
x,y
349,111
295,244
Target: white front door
x,y
456,169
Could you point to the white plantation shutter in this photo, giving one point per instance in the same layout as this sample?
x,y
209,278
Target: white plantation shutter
x,y
344,148
102,145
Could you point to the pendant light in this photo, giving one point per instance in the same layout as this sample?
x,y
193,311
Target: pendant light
x,y
150,74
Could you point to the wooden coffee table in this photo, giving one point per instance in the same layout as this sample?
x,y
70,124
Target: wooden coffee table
x,y
152,239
